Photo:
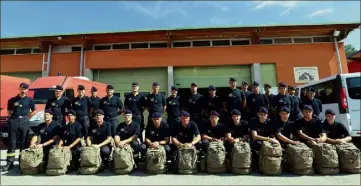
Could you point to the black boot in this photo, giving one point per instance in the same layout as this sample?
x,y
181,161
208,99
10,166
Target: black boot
x,y
7,167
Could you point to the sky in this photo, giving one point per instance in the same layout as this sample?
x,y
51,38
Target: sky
x,y
64,17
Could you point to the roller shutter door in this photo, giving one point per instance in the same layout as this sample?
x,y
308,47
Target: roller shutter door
x,y
29,75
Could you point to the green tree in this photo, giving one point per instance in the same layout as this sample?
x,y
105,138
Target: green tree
x,y
349,49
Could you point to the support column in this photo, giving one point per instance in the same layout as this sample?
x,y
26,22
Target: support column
x,y
170,78
89,74
256,74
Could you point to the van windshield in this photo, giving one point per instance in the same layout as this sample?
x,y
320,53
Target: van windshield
x,y
354,87
41,95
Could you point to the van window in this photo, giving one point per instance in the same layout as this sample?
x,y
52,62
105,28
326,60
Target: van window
x,y
354,87
69,93
325,92
41,95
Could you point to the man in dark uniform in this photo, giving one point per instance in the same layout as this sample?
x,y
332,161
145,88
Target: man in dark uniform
x,y
82,105
314,102
158,133
173,108
48,133
235,98
212,131
128,132
58,104
195,105
135,102
100,136
336,131
285,129
155,102
245,89
112,107
281,100
310,130
237,131
20,109
96,104
255,101
296,111
70,137
267,90
212,102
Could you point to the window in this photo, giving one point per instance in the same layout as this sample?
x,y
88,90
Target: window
x,y
23,51
354,87
302,40
102,47
76,49
265,41
282,40
221,43
326,92
41,95
181,44
121,46
240,42
36,50
201,43
69,93
139,45
322,39
7,51
158,45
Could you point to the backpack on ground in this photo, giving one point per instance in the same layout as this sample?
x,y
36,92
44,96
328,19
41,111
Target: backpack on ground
x,y
326,159
270,158
187,160
31,160
90,160
299,159
349,157
241,158
155,160
123,160
216,157
58,161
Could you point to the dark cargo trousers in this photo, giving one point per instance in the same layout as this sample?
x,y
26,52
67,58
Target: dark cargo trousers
x,y
139,118
113,123
18,130
84,121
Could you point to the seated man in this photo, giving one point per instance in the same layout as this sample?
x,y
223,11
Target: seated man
x,y
309,129
48,133
157,133
336,132
70,137
100,136
284,128
212,131
128,132
237,131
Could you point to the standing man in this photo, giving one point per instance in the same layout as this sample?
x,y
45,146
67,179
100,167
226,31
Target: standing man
x,y
173,108
213,102
236,99
112,107
296,111
82,105
255,101
315,103
195,105
134,102
96,103
155,102
267,90
20,109
245,89
58,104
281,100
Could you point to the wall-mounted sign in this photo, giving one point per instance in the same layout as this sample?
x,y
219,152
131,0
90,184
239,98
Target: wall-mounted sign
x,y
305,74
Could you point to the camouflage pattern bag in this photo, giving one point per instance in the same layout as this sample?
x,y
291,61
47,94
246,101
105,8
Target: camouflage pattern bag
x,y
58,161
187,160
299,159
123,160
155,160
241,158
31,160
90,160
216,157
326,159
349,157
270,158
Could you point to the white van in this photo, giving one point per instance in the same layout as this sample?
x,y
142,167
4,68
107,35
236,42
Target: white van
x,y
340,93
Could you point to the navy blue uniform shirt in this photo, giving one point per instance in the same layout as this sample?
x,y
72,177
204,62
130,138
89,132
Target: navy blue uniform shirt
x,y
47,132
336,131
287,129
297,103
316,105
255,102
280,101
157,134
125,131
263,129
134,103
96,102
238,131
213,104
218,131
155,102
100,133
270,98
20,106
111,106
195,104
81,106
312,128
234,99
58,106
70,133
186,134
247,93
173,106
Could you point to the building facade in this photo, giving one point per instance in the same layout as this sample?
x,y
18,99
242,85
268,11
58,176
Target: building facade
x,y
354,62
293,54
